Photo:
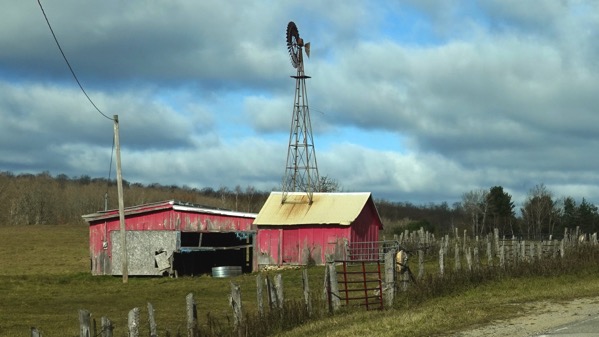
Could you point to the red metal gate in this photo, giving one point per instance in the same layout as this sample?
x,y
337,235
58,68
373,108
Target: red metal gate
x,y
360,282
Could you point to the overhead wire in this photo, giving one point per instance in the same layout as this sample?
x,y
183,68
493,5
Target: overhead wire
x,y
80,86
69,64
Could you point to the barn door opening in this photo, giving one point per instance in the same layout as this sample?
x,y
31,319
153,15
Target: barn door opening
x,y
199,252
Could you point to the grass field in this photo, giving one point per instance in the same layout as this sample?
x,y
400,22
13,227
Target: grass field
x,y
45,280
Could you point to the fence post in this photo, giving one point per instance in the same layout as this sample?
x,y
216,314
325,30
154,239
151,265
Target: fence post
x,y
272,294
441,261
468,254
334,287
235,302
133,322
35,332
476,258
496,238
326,286
192,316
152,321
106,327
489,253
420,263
457,263
562,249
279,290
502,255
84,323
307,299
389,289
259,296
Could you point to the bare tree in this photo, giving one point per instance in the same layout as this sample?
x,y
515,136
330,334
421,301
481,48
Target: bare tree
x,y
540,212
475,204
328,184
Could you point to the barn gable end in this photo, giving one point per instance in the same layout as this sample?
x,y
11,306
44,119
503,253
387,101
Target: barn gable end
x,y
299,233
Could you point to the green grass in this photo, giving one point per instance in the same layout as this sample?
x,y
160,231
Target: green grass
x,y
45,280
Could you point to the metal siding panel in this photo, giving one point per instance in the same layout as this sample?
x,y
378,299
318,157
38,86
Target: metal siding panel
x,y
291,247
268,241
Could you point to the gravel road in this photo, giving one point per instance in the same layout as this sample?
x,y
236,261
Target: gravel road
x,y
540,318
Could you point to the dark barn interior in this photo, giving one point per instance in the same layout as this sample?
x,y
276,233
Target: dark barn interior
x,y
200,252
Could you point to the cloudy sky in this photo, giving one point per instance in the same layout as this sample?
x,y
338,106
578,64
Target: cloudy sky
x,y
413,100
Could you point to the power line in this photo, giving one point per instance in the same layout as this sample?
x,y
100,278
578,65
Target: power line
x,y
80,87
68,64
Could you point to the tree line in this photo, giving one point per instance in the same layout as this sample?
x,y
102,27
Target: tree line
x,y
542,215
43,199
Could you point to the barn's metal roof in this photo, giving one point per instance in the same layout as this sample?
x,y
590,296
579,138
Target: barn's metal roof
x,y
162,205
326,209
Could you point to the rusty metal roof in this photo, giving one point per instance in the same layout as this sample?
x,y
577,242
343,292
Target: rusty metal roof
x,y
326,209
162,205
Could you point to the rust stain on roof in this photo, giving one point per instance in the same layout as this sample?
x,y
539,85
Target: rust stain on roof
x,y
326,208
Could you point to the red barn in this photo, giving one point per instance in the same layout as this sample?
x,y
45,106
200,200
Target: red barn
x,y
171,237
297,232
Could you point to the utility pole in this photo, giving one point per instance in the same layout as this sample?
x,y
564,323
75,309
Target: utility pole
x,y
119,184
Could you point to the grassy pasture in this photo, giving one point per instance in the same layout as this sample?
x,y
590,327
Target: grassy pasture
x,y
45,279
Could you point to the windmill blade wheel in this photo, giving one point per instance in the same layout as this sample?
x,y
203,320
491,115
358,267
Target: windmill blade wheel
x,y
294,44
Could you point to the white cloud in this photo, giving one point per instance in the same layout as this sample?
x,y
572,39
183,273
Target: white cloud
x,y
493,93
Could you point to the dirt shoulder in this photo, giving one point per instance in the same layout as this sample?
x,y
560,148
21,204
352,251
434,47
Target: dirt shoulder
x,y
541,317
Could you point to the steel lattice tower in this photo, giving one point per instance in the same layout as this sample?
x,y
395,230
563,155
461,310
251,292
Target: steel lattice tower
x,y
301,171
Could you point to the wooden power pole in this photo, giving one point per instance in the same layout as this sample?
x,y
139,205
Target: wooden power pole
x,y
119,184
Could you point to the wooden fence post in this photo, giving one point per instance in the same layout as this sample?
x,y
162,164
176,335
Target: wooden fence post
x,y
85,323
326,285
259,296
273,302
133,322
192,316
106,327
235,302
502,255
389,289
152,321
476,258
562,249
441,261
489,253
279,290
307,298
457,263
334,287
420,263
468,254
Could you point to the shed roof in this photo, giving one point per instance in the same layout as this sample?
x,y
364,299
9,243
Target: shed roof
x,y
163,205
326,209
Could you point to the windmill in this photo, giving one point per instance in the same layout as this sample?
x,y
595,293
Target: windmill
x,y
301,172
